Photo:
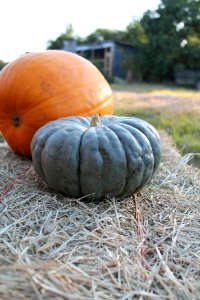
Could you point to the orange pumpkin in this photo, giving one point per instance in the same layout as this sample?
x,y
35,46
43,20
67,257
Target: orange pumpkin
x,y
40,87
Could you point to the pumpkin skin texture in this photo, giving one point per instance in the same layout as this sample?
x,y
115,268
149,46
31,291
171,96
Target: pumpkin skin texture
x,y
40,87
115,159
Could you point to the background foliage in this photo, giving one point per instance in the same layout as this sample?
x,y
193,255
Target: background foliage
x,y
165,40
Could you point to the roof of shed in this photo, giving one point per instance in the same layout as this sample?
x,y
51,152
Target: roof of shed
x,y
101,45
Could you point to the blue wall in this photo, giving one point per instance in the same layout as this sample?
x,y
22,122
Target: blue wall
x,y
120,53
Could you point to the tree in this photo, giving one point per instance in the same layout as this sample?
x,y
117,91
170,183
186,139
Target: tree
x,y
135,35
173,33
103,34
58,42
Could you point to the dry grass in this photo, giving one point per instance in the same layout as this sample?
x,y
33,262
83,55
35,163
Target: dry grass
x,y
172,101
52,247
156,89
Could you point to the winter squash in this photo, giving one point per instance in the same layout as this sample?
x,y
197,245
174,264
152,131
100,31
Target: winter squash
x,y
40,87
114,156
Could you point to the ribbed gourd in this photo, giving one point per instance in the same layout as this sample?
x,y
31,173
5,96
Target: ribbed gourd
x,y
108,156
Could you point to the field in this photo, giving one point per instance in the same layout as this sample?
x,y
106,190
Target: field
x,y
175,110
145,248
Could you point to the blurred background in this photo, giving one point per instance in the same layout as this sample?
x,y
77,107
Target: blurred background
x,y
155,41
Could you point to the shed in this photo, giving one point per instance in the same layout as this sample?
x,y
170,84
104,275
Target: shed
x,y
110,57
190,78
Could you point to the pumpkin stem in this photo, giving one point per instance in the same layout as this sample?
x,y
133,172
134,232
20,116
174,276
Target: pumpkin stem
x,y
95,120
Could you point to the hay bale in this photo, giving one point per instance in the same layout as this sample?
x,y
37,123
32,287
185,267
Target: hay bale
x,y
52,247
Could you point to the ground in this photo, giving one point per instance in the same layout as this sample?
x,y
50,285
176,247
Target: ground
x,y
54,247
143,96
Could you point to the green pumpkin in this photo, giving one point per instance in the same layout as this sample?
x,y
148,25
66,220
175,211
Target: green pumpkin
x,y
80,156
